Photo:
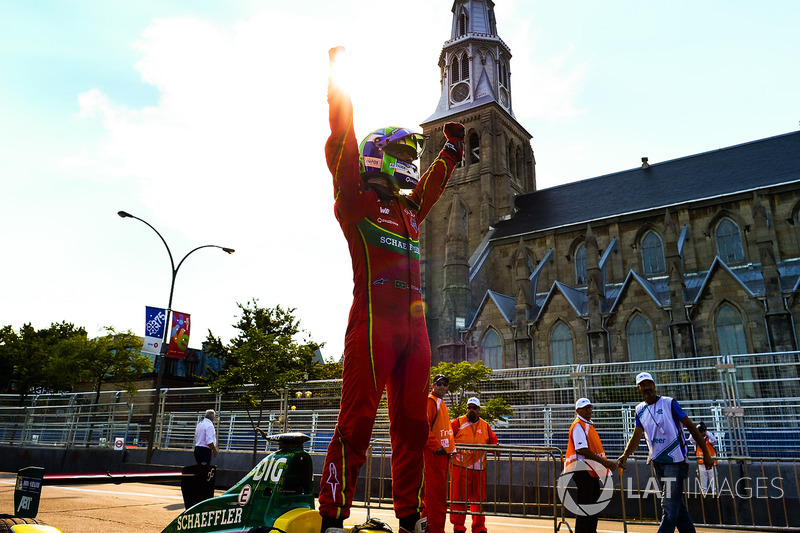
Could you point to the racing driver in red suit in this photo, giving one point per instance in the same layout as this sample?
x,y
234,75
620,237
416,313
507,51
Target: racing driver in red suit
x,y
386,344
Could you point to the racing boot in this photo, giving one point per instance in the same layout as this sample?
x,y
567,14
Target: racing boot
x,y
413,524
332,525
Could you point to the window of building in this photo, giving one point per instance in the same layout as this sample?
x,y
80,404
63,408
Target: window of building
x,y
653,254
730,335
462,24
729,242
561,345
640,339
503,74
465,67
580,265
455,70
474,148
493,350
170,366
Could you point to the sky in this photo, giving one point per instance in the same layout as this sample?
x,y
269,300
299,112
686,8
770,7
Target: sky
x,y
208,119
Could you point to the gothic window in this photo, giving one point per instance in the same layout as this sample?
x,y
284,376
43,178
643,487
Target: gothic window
x,y
580,265
474,148
455,70
729,242
561,345
504,74
640,339
462,24
493,350
730,335
465,67
653,254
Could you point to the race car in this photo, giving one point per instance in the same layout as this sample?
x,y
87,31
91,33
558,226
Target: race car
x,y
276,495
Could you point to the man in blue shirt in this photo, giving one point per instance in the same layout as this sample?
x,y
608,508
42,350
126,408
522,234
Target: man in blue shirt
x,y
661,420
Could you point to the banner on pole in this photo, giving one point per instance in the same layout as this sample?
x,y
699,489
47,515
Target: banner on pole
x,y
179,335
154,323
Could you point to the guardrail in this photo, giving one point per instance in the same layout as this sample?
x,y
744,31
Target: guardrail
x,y
751,402
520,481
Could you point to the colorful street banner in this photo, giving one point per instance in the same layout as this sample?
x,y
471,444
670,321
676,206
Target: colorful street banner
x,y
179,335
155,320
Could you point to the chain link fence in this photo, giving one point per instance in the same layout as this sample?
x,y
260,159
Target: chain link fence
x,y
751,403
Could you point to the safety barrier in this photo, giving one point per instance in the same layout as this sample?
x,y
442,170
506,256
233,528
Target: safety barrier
x,y
751,493
751,402
520,481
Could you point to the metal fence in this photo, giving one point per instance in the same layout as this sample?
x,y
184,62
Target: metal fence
x,y
750,402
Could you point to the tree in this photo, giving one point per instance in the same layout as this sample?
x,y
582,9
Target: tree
x,y
112,358
266,354
464,380
31,356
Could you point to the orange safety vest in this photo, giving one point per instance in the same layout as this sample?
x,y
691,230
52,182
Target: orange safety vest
x,y
593,439
711,451
440,425
469,433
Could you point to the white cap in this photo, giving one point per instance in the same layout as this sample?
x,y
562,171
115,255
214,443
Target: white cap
x,y
474,401
642,376
583,402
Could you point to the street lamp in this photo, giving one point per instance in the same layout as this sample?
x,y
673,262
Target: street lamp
x,y
163,350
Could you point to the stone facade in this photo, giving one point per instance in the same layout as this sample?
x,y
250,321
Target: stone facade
x,y
698,256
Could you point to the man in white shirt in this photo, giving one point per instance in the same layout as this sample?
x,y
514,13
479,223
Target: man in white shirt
x,y
205,439
661,420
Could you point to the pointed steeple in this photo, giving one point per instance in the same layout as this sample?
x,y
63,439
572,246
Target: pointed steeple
x,y
475,62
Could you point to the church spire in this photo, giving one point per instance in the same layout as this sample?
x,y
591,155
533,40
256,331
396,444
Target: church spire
x,y
475,62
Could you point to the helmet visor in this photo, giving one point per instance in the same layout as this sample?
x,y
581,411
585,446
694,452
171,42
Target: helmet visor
x,y
403,144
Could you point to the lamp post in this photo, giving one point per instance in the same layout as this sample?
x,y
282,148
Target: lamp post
x,y
163,350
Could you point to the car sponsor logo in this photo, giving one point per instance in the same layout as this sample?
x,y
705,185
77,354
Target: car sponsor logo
x,y
244,495
24,503
217,517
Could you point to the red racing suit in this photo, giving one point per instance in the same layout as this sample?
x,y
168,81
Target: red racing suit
x,y
386,344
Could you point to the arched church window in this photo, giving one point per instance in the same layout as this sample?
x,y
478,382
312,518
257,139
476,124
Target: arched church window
x,y
580,265
730,335
652,253
640,339
561,345
729,242
455,70
465,67
474,148
493,350
462,24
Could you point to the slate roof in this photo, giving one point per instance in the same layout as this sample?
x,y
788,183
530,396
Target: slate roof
x,y
740,168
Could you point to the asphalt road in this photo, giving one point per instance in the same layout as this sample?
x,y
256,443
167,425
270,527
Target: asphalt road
x,y
148,508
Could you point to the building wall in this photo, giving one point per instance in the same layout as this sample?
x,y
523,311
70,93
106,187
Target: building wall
x,y
698,255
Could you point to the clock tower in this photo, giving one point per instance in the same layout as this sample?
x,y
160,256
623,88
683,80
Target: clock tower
x,y
498,165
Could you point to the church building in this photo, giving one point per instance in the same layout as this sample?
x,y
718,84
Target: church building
x,y
692,257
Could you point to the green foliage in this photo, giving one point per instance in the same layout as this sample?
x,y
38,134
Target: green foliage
x,y
59,357
264,354
30,358
465,379
113,358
